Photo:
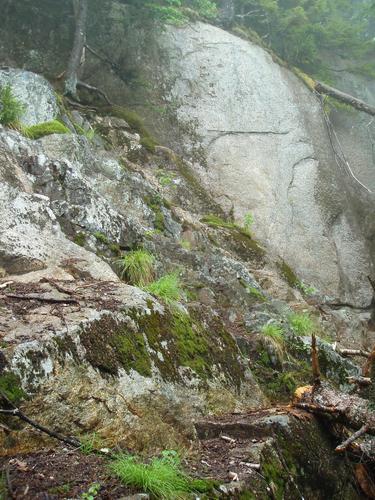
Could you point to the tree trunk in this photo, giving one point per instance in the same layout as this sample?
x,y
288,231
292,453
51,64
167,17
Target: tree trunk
x,y
322,88
77,54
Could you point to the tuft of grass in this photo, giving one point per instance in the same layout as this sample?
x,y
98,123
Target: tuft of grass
x,y
137,267
163,477
167,288
273,331
11,109
90,443
43,129
301,323
248,221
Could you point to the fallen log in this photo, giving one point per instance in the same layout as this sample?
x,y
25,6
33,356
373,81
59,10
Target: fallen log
x,y
348,99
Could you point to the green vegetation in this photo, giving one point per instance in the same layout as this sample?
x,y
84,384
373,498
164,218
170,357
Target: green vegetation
x,y
43,129
292,279
299,31
102,238
90,443
11,109
186,244
164,178
80,239
273,331
254,292
89,134
92,492
167,288
301,323
10,385
155,203
248,221
137,267
163,477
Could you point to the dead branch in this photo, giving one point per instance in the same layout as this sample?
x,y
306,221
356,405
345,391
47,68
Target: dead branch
x,y
322,88
91,88
39,298
361,381
58,287
16,412
315,361
343,446
352,352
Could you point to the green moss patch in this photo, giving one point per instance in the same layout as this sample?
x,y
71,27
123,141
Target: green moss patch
x,y
288,274
237,237
43,129
10,385
135,122
168,341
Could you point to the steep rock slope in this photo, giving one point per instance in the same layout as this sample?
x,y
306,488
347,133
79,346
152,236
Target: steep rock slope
x,y
260,143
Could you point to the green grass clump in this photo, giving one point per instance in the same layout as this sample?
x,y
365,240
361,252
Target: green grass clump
x,y
301,323
43,129
11,109
90,443
167,288
273,331
163,477
137,267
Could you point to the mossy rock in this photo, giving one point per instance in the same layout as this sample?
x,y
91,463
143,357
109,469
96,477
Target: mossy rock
x,y
288,274
135,122
167,341
237,238
43,129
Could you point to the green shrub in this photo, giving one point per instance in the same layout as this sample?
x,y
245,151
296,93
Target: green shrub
x,y
248,221
273,331
163,477
43,129
11,109
101,237
167,288
137,267
301,323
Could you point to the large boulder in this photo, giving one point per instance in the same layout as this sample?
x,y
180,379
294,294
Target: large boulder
x,y
34,92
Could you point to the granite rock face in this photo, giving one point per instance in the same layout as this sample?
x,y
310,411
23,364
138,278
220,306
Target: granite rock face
x,y
259,141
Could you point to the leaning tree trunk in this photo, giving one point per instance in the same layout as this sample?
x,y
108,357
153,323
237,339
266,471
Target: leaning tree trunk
x,y
77,54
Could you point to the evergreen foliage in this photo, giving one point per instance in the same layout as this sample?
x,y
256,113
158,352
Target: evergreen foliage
x,y
11,109
299,31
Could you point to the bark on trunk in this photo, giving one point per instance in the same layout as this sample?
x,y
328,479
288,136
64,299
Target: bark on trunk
x,y
322,88
76,56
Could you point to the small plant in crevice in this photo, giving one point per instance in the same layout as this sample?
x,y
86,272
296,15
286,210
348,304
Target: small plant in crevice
x,y
186,244
256,293
162,477
137,267
90,443
248,222
11,109
301,323
273,331
167,288
92,492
